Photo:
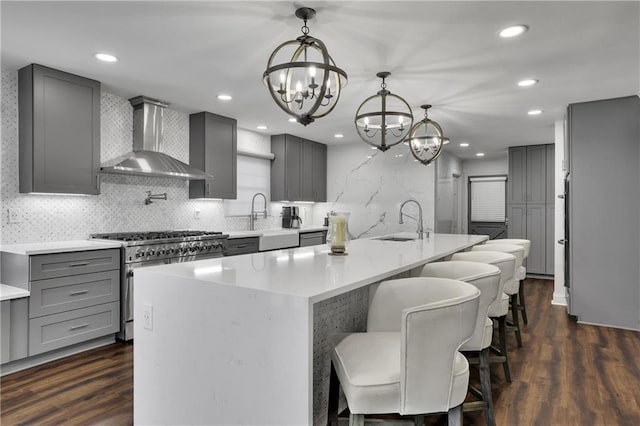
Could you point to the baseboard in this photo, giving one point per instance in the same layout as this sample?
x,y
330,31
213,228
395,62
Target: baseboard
x,y
559,299
32,361
540,277
608,325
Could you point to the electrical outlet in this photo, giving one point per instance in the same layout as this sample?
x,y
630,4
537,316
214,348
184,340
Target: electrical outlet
x,y
14,215
196,213
147,316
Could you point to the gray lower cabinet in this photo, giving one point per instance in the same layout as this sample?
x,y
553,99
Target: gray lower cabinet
x,y
236,246
213,149
59,136
313,238
299,169
530,192
75,297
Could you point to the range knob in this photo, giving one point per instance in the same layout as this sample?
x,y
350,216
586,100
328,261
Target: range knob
x,y
170,250
139,253
151,252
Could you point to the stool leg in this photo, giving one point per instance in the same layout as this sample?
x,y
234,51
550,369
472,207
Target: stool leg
x,y
485,385
455,416
356,419
521,304
502,333
515,318
334,398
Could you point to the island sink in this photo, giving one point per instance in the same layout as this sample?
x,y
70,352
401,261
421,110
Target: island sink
x,y
273,240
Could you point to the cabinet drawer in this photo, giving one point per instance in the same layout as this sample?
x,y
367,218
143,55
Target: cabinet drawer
x,y
44,266
241,246
68,328
312,239
78,291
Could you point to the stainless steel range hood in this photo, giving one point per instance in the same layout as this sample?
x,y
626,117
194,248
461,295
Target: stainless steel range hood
x,y
146,158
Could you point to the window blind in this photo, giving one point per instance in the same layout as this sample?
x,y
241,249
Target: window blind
x,y
488,199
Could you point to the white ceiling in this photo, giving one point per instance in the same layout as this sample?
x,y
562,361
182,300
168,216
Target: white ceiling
x,y
443,53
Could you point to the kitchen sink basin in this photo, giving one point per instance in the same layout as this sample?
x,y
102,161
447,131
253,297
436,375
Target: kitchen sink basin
x,y
273,240
395,239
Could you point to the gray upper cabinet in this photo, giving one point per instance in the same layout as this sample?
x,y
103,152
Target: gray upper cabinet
x,y
299,169
536,174
213,149
59,119
320,172
551,166
517,182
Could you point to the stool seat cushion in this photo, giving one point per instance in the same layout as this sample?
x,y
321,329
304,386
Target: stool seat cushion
x,y
368,366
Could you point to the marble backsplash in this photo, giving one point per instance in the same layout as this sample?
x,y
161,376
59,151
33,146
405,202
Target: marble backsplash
x,y
371,186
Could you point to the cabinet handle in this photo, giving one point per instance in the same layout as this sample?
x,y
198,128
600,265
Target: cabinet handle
x,y
77,327
76,293
242,246
73,265
561,242
561,196
206,189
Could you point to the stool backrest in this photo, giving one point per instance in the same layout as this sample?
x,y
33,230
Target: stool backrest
x,y
436,316
517,241
504,261
512,286
485,278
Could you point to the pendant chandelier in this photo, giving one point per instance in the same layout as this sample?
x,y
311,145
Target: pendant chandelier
x,y
384,119
302,77
426,139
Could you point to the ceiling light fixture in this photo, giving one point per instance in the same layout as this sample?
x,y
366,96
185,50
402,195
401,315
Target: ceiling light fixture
x,y
338,135
528,82
426,139
535,112
292,120
480,154
464,144
513,31
225,97
106,57
261,127
384,119
306,83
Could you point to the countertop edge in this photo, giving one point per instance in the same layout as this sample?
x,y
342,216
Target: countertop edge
x,y
8,292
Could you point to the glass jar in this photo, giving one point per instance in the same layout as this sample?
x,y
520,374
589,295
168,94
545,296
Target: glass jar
x,y
338,233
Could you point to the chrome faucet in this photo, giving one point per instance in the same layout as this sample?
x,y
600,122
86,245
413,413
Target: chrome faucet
x,y
418,220
254,214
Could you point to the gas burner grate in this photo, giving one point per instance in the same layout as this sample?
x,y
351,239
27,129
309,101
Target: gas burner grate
x,y
153,235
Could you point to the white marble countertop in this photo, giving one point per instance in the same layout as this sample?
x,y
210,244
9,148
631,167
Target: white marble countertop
x,y
259,232
8,292
310,272
58,246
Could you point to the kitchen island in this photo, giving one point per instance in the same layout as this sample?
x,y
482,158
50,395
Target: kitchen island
x,y
244,340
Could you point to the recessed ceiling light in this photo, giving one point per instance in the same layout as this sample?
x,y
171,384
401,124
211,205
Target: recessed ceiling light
x,y
535,112
464,144
480,154
399,155
528,82
373,147
513,31
338,135
225,97
261,127
293,120
369,156
105,57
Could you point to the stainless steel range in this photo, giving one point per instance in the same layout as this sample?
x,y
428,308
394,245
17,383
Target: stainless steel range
x,y
142,249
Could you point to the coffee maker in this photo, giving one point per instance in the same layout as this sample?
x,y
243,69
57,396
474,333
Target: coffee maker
x,y
291,217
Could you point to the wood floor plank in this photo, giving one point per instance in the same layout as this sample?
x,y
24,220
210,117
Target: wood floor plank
x,y
565,374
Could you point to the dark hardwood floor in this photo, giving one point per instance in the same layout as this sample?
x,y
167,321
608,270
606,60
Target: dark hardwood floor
x,y
566,374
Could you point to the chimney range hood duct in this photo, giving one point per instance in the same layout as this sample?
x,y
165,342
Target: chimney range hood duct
x,y
146,158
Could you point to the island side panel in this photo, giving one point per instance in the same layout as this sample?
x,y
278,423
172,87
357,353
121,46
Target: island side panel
x,y
220,354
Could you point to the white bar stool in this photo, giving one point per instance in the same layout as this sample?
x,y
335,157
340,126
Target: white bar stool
x,y
512,287
408,361
522,273
487,279
498,310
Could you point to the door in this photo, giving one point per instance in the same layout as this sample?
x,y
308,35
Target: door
x,y
455,219
487,206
